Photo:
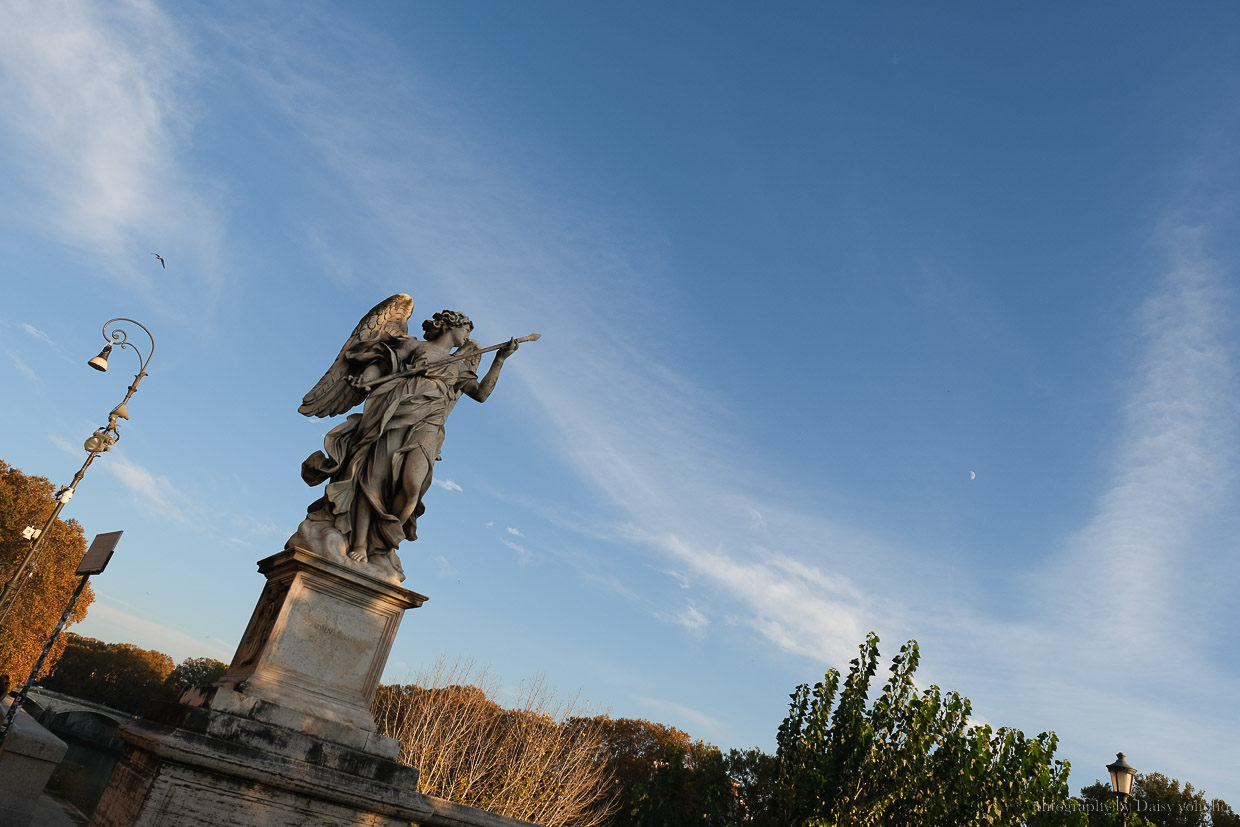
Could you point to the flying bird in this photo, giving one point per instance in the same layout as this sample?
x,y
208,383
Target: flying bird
x,y
161,260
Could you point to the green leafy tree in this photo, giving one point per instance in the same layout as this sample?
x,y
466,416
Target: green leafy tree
x,y
910,759
1098,802
1161,800
1157,801
27,501
754,774
662,776
119,675
688,785
1100,809
191,673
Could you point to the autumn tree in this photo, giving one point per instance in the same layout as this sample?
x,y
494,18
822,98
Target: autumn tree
x,y
909,759
42,598
527,762
634,748
1222,815
119,675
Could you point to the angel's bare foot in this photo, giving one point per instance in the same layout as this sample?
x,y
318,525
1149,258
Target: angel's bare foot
x,y
358,555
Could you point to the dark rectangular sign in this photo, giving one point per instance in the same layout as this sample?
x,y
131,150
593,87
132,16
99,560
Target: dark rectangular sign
x,y
99,553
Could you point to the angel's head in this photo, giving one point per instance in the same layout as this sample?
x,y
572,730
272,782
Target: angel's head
x,y
447,321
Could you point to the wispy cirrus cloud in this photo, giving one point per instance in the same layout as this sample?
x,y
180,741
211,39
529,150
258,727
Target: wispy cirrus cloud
x,y
22,367
36,333
96,105
1173,464
93,106
681,580
702,722
690,617
523,554
108,620
793,605
448,485
155,492
256,527
1113,618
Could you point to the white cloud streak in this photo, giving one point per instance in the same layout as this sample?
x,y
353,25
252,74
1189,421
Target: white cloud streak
x,y
110,623
691,618
22,367
448,485
444,568
1110,625
795,606
93,110
257,527
35,332
523,555
95,106
698,720
1172,469
155,493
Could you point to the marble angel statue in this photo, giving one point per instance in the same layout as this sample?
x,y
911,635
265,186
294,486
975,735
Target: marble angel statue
x,y
378,463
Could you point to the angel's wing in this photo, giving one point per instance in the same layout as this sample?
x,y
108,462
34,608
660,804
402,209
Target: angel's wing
x,y
333,394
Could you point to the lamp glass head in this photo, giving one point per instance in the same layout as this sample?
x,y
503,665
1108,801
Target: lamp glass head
x,y
1121,776
100,362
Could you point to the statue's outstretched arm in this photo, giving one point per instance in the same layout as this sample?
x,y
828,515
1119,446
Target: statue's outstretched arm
x,y
481,389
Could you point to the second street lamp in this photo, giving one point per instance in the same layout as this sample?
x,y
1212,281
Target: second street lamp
x,y
97,443
1121,782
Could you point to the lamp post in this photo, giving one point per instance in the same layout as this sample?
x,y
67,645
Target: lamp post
x,y
1121,782
97,443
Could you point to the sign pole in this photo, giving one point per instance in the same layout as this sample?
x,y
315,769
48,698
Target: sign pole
x,y
96,559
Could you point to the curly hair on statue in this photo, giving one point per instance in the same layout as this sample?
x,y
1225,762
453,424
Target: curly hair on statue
x,y
443,321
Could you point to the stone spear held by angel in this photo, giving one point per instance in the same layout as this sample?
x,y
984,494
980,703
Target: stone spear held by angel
x,y
463,353
378,463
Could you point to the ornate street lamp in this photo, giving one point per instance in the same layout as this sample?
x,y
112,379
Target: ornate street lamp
x,y
97,443
1121,782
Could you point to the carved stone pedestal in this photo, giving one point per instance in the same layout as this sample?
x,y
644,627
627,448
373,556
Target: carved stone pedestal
x,y
285,738
194,766
319,637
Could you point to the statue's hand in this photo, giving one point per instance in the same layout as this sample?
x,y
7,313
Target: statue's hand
x,y
509,347
356,382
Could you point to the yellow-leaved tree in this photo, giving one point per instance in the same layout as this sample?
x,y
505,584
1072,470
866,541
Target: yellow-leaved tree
x,y
45,592
534,761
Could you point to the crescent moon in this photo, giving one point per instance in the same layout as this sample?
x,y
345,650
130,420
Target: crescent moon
x,y
972,475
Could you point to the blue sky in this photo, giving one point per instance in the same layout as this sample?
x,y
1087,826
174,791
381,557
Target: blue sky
x,y
800,270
